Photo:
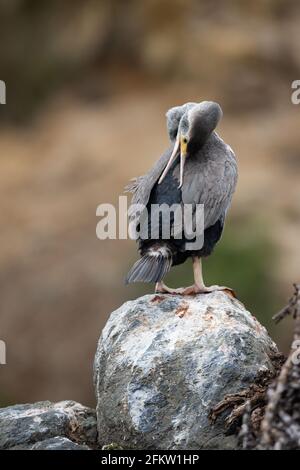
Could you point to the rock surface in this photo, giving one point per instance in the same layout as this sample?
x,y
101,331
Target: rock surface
x,y
66,425
164,361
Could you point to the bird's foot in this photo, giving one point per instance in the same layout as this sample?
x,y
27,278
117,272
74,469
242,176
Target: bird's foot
x,y
195,289
161,288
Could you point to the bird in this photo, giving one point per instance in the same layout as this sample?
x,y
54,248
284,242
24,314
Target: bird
x,y
197,168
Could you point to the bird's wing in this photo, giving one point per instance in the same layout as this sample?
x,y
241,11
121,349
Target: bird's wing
x,y
141,186
211,181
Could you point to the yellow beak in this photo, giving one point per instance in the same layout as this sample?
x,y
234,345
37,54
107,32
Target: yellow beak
x,y
181,142
183,151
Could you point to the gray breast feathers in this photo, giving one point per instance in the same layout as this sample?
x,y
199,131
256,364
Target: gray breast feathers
x,y
210,179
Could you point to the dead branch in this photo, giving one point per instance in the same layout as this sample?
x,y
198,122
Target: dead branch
x,y
292,308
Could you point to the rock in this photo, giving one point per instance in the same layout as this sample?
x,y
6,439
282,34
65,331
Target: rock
x,y
46,425
53,443
164,361
58,443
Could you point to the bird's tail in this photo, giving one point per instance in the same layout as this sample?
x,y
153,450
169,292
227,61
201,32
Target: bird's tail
x,y
152,267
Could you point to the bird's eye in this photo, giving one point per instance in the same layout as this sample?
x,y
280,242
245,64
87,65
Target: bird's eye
x,y
184,140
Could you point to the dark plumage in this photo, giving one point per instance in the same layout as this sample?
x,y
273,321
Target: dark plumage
x,y
201,170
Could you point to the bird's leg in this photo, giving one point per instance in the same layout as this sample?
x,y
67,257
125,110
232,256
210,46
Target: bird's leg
x,y
199,287
198,276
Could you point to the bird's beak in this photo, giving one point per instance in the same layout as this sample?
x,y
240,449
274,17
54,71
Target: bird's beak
x,y
183,148
171,160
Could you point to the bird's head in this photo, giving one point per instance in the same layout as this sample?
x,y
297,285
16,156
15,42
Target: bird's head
x,y
194,127
174,116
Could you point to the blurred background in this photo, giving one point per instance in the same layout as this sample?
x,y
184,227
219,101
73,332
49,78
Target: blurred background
x,y
88,84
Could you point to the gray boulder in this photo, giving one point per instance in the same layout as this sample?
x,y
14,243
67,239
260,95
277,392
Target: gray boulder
x,y
46,425
164,361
